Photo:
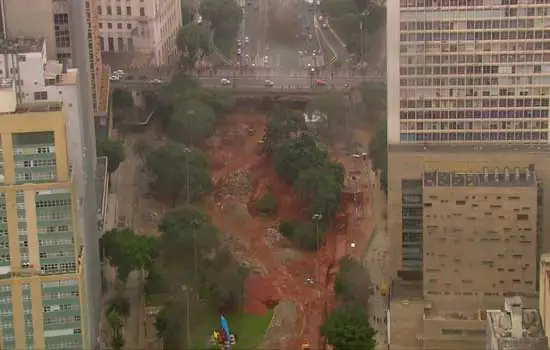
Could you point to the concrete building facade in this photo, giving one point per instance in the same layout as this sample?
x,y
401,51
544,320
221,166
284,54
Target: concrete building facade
x,y
42,282
544,293
148,27
51,20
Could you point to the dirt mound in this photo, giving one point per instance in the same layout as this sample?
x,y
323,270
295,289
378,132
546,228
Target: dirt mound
x,y
260,294
282,327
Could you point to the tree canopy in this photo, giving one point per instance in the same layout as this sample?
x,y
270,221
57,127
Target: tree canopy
x,y
225,17
331,107
193,42
121,99
192,122
113,150
128,251
177,171
348,328
296,155
352,283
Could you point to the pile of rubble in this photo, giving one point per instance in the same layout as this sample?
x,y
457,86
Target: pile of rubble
x,y
238,184
272,236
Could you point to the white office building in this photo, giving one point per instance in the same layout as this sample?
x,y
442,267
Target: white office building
x,y
148,27
464,71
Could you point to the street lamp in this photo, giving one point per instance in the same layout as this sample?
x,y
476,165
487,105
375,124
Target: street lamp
x,y
186,291
317,218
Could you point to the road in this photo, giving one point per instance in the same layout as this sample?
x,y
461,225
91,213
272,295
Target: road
x,y
304,81
377,263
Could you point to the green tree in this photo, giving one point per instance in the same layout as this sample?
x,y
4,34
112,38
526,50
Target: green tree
x,y
348,328
378,151
225,17
117,336
178,171
223,281
178,88
187,14
298,154
220,101
192,122
113,150
127,251
281,125
352,283
120,304
170,324
309,236
321,189
374,97
193,41
338,8
185,230
121,99
267,204
331,106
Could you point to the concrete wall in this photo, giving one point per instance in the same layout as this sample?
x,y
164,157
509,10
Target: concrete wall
x,y
544,293
31,19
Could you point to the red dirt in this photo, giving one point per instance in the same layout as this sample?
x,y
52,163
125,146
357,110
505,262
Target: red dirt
x,y
235,149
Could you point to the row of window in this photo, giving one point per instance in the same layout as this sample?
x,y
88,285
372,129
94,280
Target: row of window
x,y
486,48
473,69
58,254
35,176
58,268
475,136
506,60
462,23
52,242
118,25
59,215
45,203
472,103
474,125
65,344
54,229
464,3
118,10
60,295
485,81
27,151
502,35
36,163
61,307
120,44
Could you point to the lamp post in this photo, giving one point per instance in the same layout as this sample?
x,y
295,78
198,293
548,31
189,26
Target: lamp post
x,y
317,217
186,291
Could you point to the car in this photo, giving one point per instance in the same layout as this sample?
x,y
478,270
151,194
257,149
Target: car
x,y
114,78
118,72
320,83
325,25
246,40
268,83
239,51
266,58
225,81
157,81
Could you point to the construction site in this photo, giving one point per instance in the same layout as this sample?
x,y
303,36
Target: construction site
x,y
297,285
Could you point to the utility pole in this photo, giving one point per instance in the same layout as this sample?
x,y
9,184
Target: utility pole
x,y
317,217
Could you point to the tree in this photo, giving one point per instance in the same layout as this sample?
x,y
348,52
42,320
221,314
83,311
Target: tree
x,y
348,328
184,231
192,122
178,88
121,99
338,8
321,188
267,204
309,236
120,304
117,335
223,280
352,283
378,151
187,14
193,42
225,17
331,106
170,324
281,125
296,155
177,171
127,251
113,150
374,96
220,101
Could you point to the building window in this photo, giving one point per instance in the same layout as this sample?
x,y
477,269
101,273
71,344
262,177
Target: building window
x,y
14,70
100,25
110,25
129,26
62,37
128,10
101,43
111,44
130,44
120,44
109,10
119,25
21,58
119,11
142,11
99,10
61,18
40,95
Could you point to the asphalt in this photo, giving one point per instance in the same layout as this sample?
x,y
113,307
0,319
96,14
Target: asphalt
x,y
332,40
304,81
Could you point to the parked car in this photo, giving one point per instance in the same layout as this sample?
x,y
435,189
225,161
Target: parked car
x,y
320,83
225,81
114,78
268,83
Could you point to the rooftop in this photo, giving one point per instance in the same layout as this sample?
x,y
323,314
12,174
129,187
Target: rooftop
x,y
21,45
516,327
43,106
489,178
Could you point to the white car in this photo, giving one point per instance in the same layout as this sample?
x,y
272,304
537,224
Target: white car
x,y
225,81
118,72
246,40
266,59
114,78
156,81
239,51
268,83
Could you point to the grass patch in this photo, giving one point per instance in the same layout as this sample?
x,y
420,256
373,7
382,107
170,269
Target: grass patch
x,y
250,329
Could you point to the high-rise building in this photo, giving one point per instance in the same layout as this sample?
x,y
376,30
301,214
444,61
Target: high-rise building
x,y
468,117
41,276
147,27
50,20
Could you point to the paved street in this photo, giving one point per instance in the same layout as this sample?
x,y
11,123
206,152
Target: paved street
x,y
333,42
377,262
